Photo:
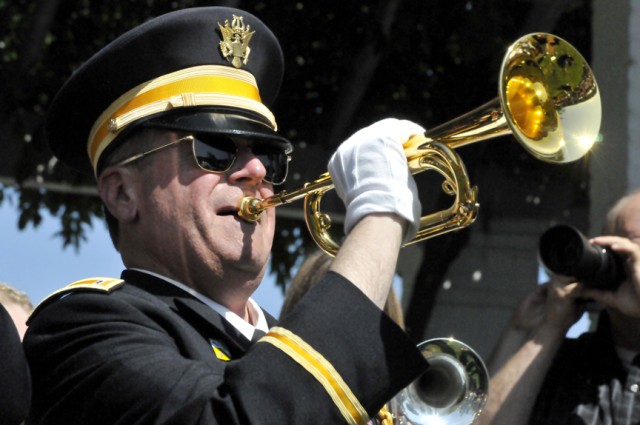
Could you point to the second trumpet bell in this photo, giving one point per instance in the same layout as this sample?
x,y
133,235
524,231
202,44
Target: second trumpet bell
x,y
453,391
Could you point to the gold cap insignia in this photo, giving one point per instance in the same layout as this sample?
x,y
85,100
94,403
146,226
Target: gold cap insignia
x,y
235,41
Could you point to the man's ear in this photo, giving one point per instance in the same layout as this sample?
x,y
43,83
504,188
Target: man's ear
x,y
116,188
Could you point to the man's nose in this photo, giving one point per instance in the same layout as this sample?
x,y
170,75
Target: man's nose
x,y
247,168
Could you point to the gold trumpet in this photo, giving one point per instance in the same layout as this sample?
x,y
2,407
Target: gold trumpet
x,y
548,99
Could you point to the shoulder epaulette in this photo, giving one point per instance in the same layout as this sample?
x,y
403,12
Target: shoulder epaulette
x,y
92,284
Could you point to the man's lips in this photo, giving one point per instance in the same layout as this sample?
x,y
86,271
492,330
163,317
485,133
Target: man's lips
x,y
233,212
228,211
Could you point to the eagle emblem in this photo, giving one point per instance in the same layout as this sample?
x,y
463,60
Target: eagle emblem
x,y
235,41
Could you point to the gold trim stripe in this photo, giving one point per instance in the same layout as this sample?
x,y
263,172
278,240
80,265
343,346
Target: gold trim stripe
x,y
96,284
303,354
92,284
198,86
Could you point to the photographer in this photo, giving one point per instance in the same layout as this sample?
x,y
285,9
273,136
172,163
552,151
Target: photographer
x,y
593,379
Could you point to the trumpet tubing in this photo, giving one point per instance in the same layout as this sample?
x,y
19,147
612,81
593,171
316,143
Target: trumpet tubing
x,y
548,100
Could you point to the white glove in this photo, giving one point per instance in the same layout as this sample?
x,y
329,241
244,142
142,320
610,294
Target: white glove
x,y
371,174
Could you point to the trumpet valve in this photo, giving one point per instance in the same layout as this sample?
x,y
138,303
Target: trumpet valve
x,y
324,220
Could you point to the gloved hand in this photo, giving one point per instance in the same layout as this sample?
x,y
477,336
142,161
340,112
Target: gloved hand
x,y
371,174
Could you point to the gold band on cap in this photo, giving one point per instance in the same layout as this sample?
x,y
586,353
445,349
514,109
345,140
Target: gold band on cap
x,y
206,85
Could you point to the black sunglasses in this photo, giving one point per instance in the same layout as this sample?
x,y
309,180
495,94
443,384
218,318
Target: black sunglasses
x,y
216,153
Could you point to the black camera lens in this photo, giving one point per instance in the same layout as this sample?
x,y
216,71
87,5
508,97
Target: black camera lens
x,y
566,251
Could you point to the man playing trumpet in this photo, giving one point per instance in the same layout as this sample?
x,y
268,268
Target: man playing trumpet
x,y
176,134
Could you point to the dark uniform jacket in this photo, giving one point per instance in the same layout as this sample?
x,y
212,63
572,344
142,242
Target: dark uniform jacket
x,y
146,352
587,384
15,385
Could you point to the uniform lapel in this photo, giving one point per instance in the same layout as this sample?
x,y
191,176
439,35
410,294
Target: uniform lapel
x,y
215,326
200,316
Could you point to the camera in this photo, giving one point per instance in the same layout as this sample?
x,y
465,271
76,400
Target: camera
x,y
566,251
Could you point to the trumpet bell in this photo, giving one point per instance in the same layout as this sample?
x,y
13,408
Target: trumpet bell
x,y
550,98
453,391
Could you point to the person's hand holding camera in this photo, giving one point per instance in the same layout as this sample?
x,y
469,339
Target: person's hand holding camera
x,y
563,307
626,298
551,304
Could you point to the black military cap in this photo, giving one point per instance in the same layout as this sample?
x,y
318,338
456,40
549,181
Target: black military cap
x,y
184,71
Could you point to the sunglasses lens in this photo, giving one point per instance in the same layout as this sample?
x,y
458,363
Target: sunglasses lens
x,y
275,161
214,152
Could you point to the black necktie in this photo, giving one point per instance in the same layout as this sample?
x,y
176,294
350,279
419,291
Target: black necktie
x,y
257,334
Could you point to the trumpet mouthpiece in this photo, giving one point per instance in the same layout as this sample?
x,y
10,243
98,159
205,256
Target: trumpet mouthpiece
x,y
250,209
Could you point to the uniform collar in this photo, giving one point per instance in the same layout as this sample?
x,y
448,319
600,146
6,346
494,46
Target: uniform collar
x,y
238,323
